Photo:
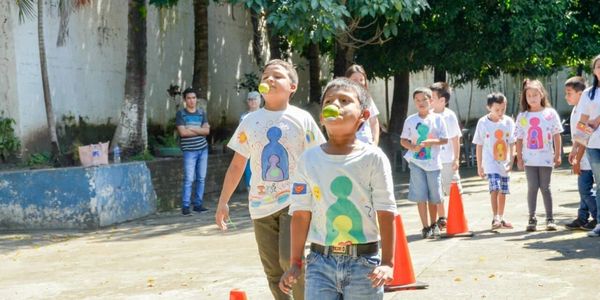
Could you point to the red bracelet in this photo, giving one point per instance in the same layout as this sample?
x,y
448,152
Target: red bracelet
x,y
297,262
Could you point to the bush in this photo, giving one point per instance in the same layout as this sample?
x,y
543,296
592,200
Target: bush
x,y
9,143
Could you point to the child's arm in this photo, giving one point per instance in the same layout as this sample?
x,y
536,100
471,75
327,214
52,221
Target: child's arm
x,y
519,147
511,153
384,273
299,231
576,162
557,149
431,142
456,146
232,178
479,155
374,125
406,143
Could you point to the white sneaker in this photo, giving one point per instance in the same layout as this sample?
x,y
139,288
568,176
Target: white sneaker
x,y
595,232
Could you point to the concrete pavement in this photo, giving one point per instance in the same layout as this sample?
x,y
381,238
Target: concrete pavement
x,y
168,256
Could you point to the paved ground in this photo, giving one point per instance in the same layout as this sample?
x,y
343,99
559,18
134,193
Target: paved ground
x,y
168,256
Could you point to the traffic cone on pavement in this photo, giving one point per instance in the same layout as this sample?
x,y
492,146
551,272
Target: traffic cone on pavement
x,y
237,294
404,277
457,223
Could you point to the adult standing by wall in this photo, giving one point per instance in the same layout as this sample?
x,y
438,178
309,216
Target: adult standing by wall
x,y
192,126
368,132
253,101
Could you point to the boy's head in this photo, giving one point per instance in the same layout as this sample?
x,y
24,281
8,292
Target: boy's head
x,y
282,80
351,100
357,74
190,97
440,95
422,99
574,87
496,104
253,100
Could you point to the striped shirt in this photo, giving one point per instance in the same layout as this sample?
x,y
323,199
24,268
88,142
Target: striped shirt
x,y
191,119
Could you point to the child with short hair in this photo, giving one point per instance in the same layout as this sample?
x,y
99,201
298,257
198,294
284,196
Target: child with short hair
x,y
272,138
422,135
537,130
494,137
574,87
342,202
450,152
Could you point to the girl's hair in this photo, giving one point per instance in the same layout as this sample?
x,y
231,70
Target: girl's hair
x,y
347,84
496,97
357,69
596,83
533,84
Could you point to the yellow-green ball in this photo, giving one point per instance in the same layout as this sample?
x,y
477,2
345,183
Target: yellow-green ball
x,y
263,88
330,111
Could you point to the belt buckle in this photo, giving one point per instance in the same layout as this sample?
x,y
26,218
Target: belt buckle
x,y
339,249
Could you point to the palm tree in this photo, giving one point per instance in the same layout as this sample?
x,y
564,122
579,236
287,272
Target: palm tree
x,y
26,8
131,132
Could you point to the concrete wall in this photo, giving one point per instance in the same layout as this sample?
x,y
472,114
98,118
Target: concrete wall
x,y
84,198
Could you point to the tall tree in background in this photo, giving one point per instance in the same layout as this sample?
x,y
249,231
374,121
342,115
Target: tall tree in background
x,y
200,77
131,133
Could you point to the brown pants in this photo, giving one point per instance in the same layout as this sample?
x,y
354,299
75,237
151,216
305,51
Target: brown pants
x,y
272,235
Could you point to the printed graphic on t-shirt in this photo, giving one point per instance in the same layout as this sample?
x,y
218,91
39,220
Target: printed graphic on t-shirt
x,y
275,163
425,152
500,147
535,138
344,221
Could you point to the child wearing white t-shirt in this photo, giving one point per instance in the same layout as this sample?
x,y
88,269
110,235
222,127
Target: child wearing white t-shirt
x,y
494,137
538,131
422,135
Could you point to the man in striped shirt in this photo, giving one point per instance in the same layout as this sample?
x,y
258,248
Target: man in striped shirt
x,y
192,126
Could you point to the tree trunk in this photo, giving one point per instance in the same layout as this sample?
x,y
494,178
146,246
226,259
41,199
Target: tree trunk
x,y
344,57
400,102
439,75
274,43
257,40
200,78
314,73
131,132
55,148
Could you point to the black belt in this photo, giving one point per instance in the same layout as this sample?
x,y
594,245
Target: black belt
x,y
350,250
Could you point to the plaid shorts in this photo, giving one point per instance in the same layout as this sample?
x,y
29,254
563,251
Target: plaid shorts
x,y
498,183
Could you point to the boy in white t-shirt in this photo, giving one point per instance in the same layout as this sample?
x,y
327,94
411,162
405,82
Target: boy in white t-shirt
x,y
574,87
343,204
272,139
422,135
494,137
450,152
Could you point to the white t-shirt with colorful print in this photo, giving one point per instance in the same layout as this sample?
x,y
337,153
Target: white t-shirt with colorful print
x,y
417,129
273,141
495,138
451,121
536,129
343,193
591,107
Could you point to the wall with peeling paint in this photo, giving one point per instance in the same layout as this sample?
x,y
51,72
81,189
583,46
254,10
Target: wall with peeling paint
x,y
83,198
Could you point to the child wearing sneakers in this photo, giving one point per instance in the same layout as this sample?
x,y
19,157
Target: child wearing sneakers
x,y
450,152
574,87
538,147
494,137
343,203
422,135
272,139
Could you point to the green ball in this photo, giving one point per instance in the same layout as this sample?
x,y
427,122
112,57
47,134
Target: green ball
x,y
263,88
331,111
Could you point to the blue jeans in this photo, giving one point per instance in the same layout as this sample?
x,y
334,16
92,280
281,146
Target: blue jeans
x,y
587,204
594,157
335,277
194,167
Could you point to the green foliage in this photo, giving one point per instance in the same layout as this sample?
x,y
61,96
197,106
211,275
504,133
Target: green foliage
x,y
76,131
40,160
144,156
9,143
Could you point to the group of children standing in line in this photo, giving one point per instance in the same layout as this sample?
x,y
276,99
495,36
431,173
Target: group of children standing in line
x,y
338,194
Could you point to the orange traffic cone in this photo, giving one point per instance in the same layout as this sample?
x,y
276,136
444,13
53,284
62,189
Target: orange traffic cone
x,y
457,223
237,294
404,277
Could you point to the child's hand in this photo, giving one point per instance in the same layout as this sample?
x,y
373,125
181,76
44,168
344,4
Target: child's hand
x,y
509,168
417,148
521,165
572,156
455,165
289,278
480,172
221,216
594,123
427,143
381,275
577,168
557,161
